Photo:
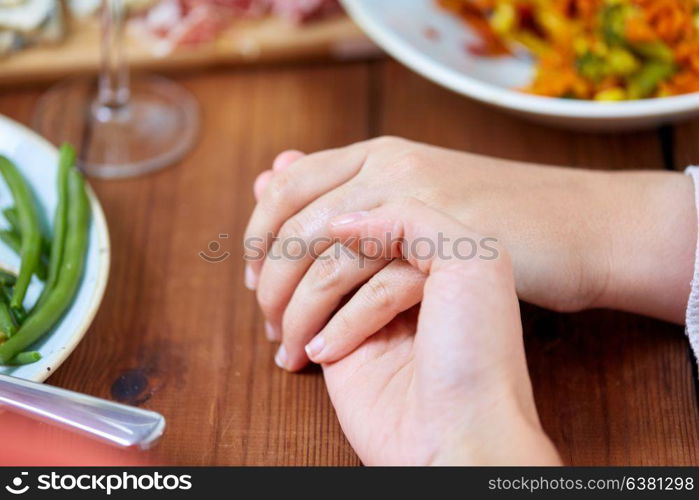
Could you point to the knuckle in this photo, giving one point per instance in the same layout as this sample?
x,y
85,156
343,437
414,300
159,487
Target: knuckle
x,y
387,141
280,188
295,227
327,272
342,325
409,162
379,294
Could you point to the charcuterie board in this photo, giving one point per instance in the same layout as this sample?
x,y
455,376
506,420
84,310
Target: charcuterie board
x,y
244,42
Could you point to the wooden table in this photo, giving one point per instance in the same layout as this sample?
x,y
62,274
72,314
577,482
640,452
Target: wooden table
x,y
184,337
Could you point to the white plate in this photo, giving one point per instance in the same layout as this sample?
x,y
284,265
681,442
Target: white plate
x,y
38,162
399,27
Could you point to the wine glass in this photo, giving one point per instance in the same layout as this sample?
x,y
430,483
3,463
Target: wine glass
x,y
120,128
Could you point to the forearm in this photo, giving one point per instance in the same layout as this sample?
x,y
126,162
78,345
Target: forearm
x,y
652,234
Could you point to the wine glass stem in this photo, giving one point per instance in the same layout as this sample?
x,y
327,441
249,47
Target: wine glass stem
x,y
113,92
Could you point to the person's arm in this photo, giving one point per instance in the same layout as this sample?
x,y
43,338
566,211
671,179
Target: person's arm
x,y
578,238
652,238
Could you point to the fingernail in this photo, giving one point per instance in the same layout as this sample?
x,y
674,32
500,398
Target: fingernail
x,y
281,358
342,220
315,346
272,332
250,278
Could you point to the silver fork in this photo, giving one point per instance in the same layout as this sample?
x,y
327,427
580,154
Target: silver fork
x,y
110,422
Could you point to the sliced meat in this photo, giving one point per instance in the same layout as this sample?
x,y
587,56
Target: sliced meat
x,y
305,10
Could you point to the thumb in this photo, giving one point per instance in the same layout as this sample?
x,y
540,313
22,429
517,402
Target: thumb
x,y
470,373
469,332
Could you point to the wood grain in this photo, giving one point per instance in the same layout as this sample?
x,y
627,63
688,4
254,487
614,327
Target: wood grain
x,y
187,328
684,147
182,336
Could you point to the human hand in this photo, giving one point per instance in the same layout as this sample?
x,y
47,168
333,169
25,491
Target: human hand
x,y
457,391
578,238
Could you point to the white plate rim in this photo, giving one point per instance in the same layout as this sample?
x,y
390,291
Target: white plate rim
x,y
507,98
103,256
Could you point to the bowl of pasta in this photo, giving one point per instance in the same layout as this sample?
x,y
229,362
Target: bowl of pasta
x,y
587,64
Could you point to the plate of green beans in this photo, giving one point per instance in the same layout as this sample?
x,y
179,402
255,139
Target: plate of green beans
x,y
54,253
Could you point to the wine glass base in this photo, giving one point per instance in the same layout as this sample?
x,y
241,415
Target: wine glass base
x,y
157,127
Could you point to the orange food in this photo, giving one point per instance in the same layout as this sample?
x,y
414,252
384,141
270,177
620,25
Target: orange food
x,y
593,49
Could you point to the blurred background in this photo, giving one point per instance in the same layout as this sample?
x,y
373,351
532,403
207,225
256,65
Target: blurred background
x,y
47,39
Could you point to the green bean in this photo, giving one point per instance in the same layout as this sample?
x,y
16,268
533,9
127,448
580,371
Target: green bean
x,y
43,318
13,240
19,314
65,163
592,66
655,51
644,82
25,358
10,214
30,252
7,323
7,278
613,22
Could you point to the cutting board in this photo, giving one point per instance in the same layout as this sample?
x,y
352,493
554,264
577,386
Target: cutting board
x,y
245,42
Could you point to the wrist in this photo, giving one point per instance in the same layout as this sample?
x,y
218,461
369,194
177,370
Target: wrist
x,y
506,435
650,244
525,446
